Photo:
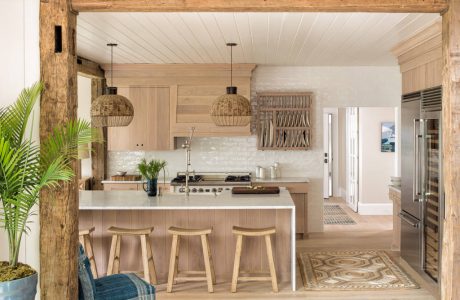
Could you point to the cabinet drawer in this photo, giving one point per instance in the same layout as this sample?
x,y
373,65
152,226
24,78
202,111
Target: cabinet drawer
x,y
292,187
122,187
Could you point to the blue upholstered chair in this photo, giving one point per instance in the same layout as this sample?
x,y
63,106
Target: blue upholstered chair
x,y
113,287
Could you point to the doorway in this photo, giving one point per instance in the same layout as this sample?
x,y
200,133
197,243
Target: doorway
x,y
330,146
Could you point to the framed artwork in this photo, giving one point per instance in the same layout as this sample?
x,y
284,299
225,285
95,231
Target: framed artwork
x,y
387,142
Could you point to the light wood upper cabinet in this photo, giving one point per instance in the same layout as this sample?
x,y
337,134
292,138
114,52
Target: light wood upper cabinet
x,y
420,60
192,90
149,129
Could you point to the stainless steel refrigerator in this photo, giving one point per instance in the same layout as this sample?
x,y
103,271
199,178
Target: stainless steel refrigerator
x,y
422,205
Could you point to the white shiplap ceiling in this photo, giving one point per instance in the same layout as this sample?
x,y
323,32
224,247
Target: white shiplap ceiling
x,y
307,39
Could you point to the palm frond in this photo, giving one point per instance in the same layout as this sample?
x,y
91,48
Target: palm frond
x,y
151,169
14,118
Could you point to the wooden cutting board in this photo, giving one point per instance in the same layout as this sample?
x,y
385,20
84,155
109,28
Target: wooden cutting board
x,y
256,190
126,177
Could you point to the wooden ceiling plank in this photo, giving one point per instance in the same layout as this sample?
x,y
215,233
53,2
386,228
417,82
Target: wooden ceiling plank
x,y
424,6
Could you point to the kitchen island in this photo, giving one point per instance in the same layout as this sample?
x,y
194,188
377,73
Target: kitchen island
x,y
133,209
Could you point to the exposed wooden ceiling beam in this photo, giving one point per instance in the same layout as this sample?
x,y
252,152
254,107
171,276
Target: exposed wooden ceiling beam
x,y
89,68
421,6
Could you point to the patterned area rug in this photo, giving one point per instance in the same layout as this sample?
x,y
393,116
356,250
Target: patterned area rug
x,y
335,215
352,270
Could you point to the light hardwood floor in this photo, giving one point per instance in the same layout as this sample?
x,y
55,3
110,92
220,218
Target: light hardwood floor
x,y
366,223
370,232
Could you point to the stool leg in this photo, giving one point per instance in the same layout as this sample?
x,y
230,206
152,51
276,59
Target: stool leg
x,y
211,261
236,264
90,253
172,264
147,260
207,263
114,256
176,261
271,263
151,262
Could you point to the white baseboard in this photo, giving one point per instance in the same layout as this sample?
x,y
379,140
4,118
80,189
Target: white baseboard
x,y
375,209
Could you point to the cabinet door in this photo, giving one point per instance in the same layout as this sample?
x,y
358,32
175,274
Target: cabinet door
x,y
149,129
299,202
158,135
120,138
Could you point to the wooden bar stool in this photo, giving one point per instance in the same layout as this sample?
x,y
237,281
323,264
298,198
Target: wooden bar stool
x,y
85,241
253,232
113,267
174,273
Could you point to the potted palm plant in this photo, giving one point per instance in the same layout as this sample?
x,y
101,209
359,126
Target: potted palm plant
x,y
26,169
150,171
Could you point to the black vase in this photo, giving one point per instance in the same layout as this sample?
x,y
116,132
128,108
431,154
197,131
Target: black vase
x,y
151,188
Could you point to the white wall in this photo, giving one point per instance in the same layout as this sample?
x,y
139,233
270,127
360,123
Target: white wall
x,y
84,112
375,167
332,86
20,68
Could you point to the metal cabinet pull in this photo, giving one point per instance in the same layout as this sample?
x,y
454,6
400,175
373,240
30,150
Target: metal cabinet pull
x,y
416,194
407,220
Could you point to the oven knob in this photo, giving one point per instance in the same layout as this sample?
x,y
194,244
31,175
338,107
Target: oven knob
x,y
181,190
214,190
193,190
219,190
200,190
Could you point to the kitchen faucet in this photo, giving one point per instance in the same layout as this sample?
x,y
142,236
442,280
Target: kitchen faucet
x,y
187,146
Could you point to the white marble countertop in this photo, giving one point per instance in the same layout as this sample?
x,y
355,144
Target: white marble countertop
x,y
138,200
281,180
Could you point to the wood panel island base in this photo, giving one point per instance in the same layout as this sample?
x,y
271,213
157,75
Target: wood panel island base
x,y
133,209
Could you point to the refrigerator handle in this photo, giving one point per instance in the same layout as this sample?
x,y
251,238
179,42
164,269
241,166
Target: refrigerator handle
x,y
407,220
416,194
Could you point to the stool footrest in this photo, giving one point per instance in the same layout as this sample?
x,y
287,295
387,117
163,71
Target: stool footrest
x,y
254,278
191,272
191,278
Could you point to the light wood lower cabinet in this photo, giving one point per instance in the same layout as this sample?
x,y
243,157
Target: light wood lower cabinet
x,y
149,129
133,187
122,186
395,196
301,209
299,194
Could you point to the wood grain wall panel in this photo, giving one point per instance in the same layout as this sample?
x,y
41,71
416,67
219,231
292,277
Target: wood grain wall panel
x,y
414,79
433,76
420,60
222,240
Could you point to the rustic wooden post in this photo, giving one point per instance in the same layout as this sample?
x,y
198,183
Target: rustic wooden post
x,y
99,150
58,210
450,287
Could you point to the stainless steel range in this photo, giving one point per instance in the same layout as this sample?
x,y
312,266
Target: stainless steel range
x,y
210,182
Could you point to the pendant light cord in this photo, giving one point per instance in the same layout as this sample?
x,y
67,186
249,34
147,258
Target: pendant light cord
x,y
111,65
231,65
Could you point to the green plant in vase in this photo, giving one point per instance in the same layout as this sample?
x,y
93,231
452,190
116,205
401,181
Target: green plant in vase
x,y
150,171
25,169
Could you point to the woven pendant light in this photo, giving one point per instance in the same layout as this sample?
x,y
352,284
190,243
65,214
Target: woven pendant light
x,y
231,109
110,109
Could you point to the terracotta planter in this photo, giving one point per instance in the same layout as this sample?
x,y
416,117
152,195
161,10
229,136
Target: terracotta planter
x,y
19,289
